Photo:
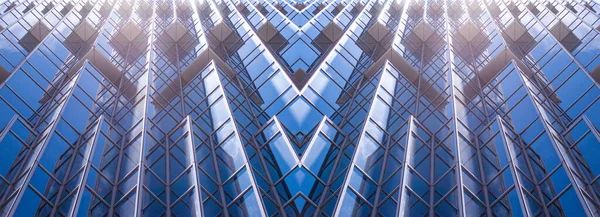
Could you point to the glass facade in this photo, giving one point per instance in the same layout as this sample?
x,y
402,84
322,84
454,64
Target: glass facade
x,y
299,108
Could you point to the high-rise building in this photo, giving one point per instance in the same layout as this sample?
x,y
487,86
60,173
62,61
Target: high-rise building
x,y
299,108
